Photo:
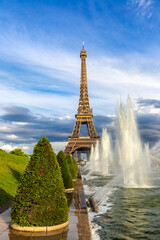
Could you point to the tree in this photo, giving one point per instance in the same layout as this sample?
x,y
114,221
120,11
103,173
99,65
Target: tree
x,y
71,166
66,175
19,152
40,198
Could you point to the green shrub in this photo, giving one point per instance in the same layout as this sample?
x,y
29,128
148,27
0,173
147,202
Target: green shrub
x,y
66,175
69,198
71,166
75,165
19,152
40,198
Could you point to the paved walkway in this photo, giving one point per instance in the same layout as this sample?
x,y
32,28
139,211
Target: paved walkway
x,y
79,227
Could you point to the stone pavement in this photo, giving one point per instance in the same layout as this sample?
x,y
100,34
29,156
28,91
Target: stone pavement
x,y
79,226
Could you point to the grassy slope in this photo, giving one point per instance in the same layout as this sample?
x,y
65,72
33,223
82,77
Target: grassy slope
x,y
11,170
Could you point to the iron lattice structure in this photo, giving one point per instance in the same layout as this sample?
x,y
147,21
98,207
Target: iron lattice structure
x,y
84,115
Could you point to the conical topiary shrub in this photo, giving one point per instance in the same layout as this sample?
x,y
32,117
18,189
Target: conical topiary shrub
x,y
66,175
40,198
75,165
71,166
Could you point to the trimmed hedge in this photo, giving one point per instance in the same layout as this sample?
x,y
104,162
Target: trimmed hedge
x,y
69,198
71,166
40,198
75,165
66,175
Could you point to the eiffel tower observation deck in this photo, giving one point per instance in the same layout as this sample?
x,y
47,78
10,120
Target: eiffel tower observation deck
x,y
76,142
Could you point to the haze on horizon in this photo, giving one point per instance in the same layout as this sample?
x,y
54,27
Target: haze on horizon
x,y
40,42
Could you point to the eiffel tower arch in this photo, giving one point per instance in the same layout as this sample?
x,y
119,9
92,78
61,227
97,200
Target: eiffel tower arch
x,y
76,142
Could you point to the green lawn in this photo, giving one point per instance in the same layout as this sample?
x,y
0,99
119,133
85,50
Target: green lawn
x,y
11,170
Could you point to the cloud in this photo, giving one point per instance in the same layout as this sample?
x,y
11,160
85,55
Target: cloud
x,y
17,114
15,132
149,128
149,103
57,146
19,126
148,117
142,7
8,147
106,75
148,106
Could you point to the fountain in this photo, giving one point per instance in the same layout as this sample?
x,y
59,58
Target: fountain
x,y
126,210
101,155
133,158
105,153
131,161
96,157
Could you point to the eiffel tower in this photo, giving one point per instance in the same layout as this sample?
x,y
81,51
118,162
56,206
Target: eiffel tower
x,y
84,116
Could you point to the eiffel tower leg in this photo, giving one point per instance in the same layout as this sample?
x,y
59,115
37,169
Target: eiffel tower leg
x,y
76,129
91,129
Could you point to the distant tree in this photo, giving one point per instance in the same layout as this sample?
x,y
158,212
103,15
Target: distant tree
x,y
1,150
41,198
19,152
66,175
71,166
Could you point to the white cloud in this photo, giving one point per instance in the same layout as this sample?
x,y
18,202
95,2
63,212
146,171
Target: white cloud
x,y
25,148
143,7
57,146
8,147
108,78
12,137
54,103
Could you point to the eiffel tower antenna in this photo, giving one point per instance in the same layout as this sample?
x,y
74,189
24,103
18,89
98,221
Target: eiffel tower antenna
x,y
84,115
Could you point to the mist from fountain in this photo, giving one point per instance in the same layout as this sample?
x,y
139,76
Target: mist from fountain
x,y
133,158
91,165
106,155
101,155
96,157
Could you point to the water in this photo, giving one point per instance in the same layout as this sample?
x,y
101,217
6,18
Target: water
x,y
96,157
129,201
105,153
101,155
133,159
128,213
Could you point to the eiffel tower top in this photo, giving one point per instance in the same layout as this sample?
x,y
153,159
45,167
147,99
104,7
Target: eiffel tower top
x,y
83,107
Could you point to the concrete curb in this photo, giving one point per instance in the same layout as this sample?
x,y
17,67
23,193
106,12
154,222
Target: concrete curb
x,y
61,227
69,190
5,206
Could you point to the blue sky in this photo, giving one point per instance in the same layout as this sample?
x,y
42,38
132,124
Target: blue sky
x,y
40,42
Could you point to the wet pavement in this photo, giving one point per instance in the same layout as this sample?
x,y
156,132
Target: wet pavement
x,y
79,226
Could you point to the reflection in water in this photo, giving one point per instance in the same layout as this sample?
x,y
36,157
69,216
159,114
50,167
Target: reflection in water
x,y
79,203
17,235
